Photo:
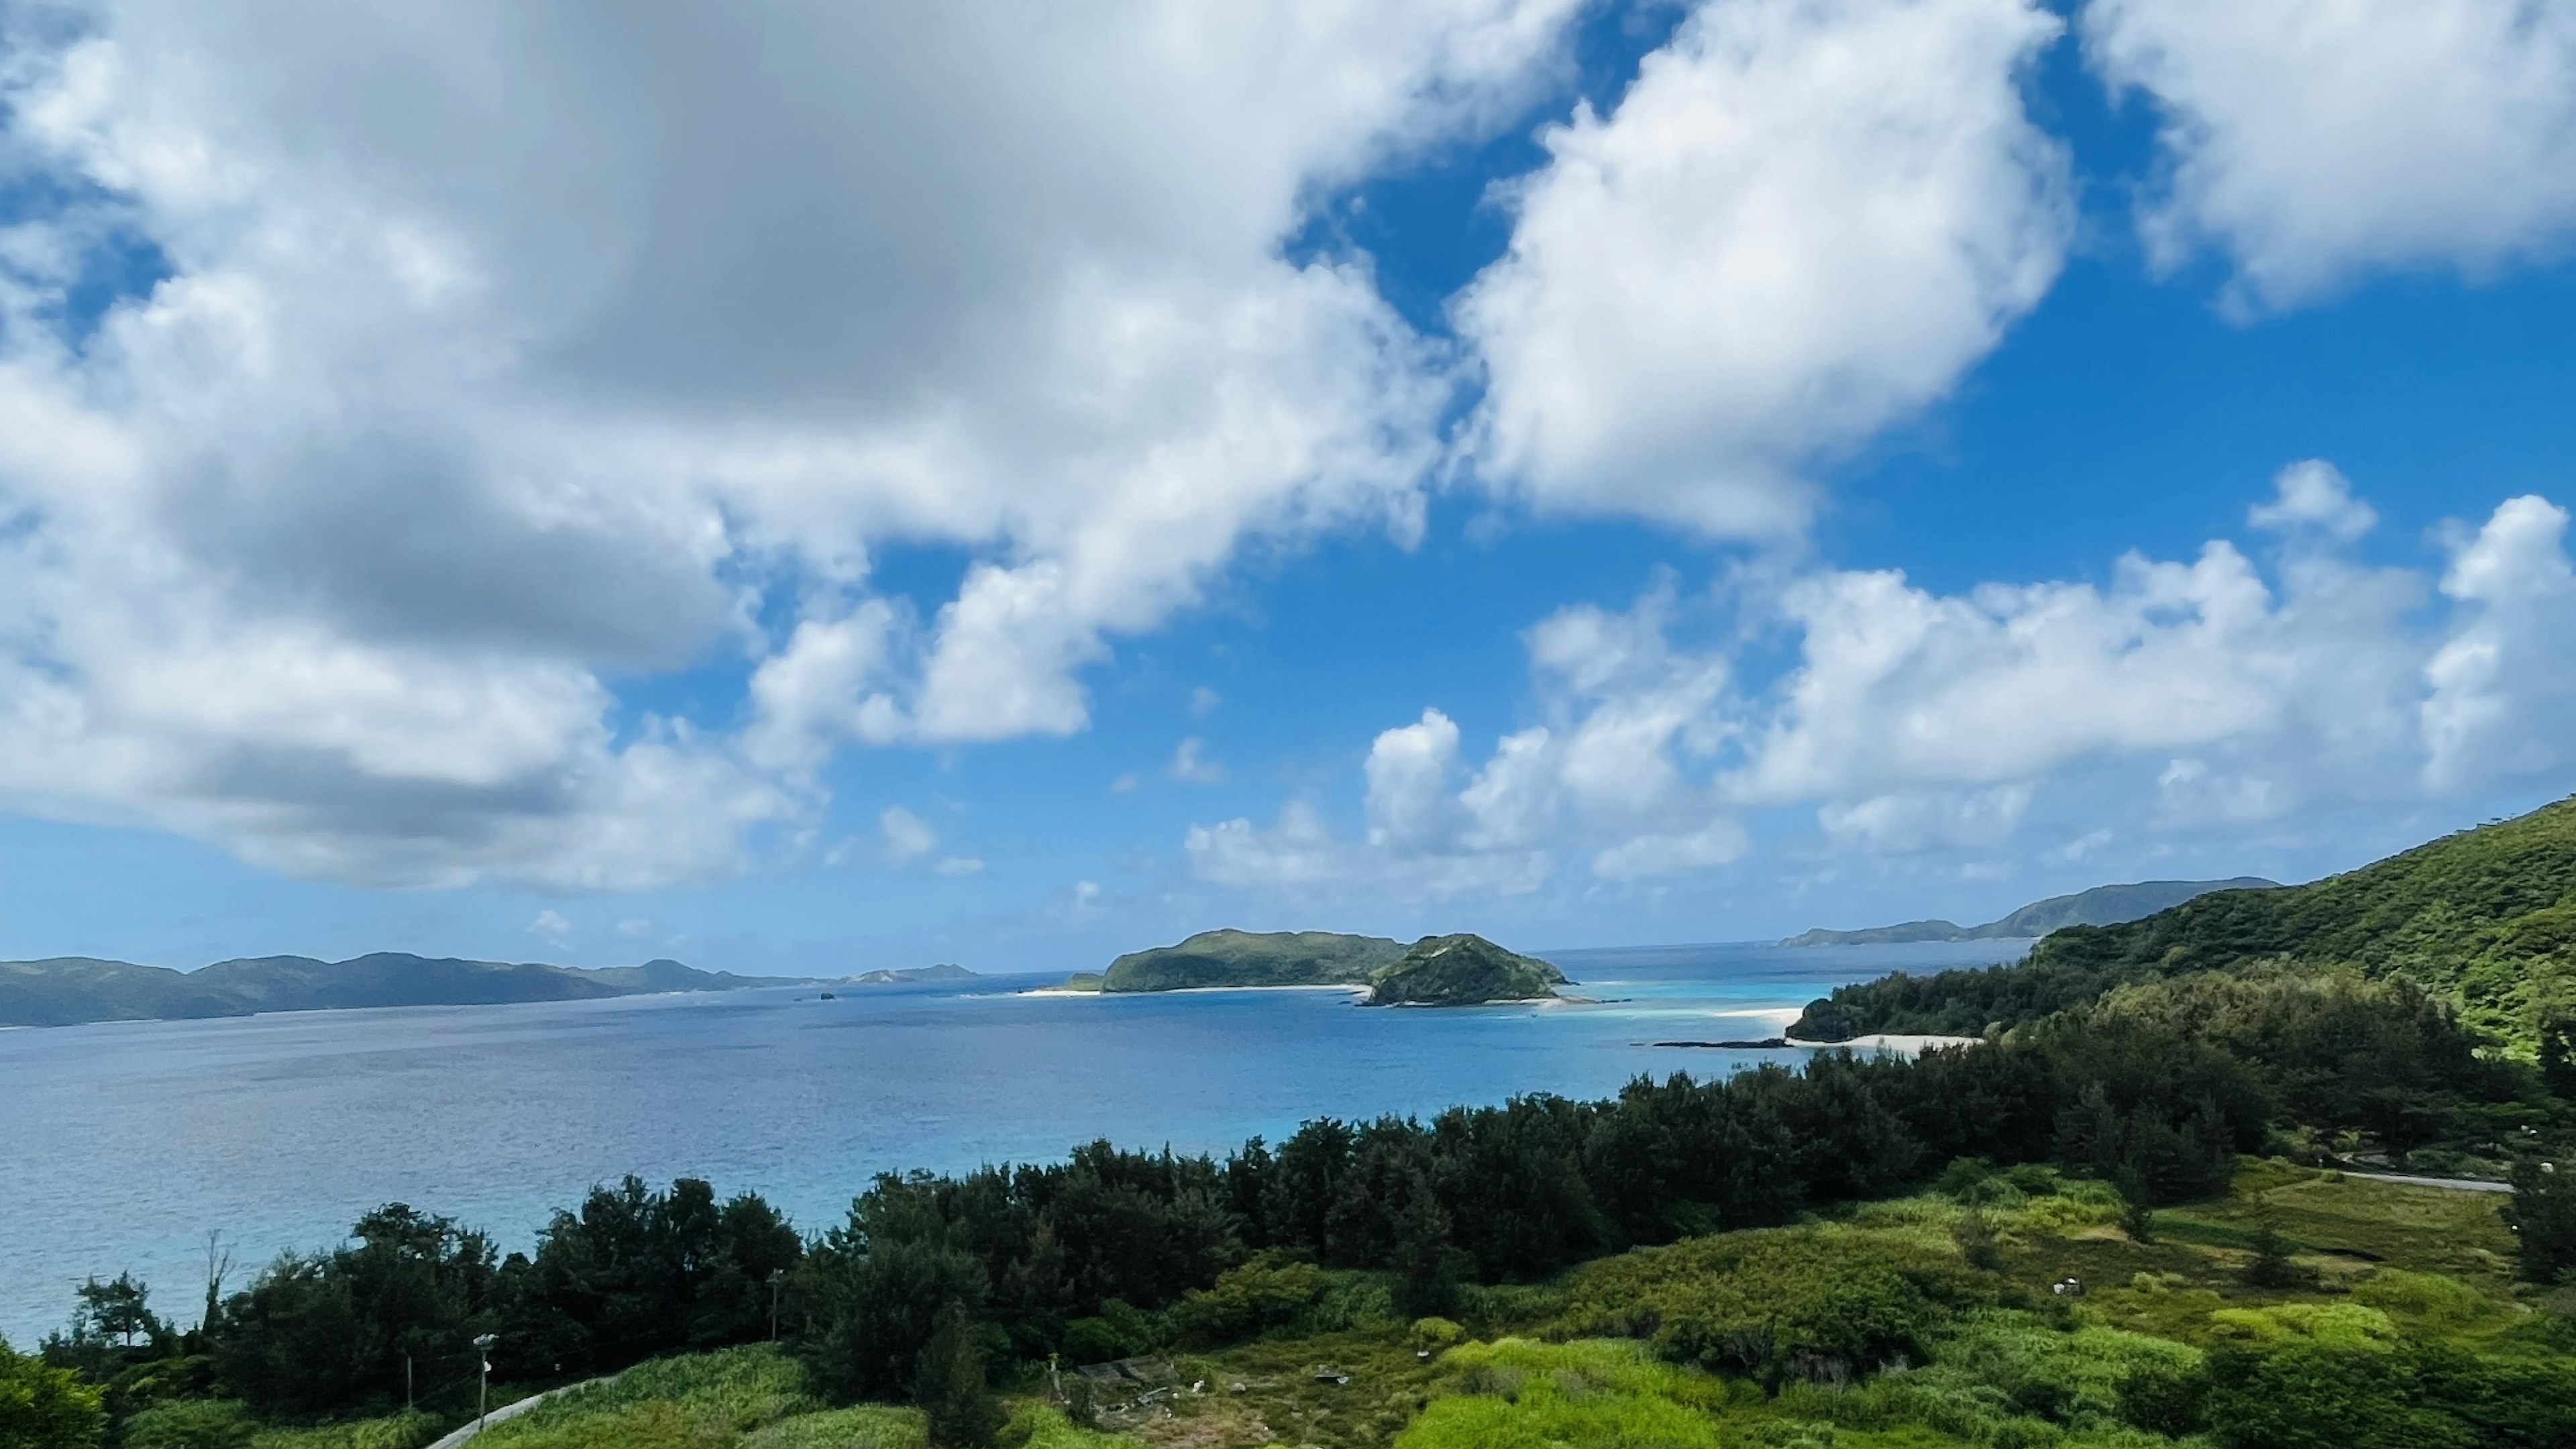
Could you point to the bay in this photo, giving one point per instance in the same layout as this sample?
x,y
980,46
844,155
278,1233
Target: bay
x,y
123,1144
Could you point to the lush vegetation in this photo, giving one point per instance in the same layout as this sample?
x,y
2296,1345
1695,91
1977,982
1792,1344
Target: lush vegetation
x,y
2100,906
1861,1253
67,990
1252,958
1461,970
2484,920
1434,971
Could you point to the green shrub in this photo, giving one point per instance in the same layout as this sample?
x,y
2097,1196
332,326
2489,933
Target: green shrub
x,y
190,1424
1248,1300
43,1407
1592,1394
865,1426
1039,1427
1435,1334
1778,1304
702,1399
408,1430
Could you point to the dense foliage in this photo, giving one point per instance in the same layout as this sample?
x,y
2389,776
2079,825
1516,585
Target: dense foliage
x,y
43,1406
1461,970
2484,919
1252,958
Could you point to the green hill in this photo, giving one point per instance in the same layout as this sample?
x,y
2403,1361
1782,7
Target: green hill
x,y
2101,906
899,975
2484,918
1253,958
67,990
1462,970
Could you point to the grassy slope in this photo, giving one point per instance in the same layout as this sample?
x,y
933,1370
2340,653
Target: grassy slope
x,y
2486,917
2426,1263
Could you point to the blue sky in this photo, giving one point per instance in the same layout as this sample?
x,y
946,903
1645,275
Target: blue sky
x,y
836,492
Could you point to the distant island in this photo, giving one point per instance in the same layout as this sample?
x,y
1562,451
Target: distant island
x,y
68,990
945,971
2109,905
1458,970
1462,970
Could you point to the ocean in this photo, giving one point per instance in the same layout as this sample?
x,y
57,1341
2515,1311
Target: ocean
x,y
122,1145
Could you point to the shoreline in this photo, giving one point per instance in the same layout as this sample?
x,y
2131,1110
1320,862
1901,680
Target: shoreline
x,y
1194,990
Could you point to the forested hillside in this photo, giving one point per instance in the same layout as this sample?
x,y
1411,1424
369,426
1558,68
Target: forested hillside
x,y
1252,958
2484,919
67,990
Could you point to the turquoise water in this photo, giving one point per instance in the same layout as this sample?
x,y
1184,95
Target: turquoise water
x,y
124,1144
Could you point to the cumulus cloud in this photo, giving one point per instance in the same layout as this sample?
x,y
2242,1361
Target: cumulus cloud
x,y
2314,144
551,927
1804,221
908,837
503,355
1191,764
2502,699
2205,694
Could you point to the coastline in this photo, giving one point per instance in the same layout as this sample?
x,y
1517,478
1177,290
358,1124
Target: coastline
x,y
1195,990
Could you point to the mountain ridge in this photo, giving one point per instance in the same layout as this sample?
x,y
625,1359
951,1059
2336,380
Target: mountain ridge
x,y
71,990
2102,905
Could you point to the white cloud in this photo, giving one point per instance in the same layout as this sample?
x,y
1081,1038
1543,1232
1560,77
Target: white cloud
x,y
551,927
958,865
2503,686
1298,851
509,353
1203,701
1191,765
2202,696
1804,221
908,837
2315,144
2314,497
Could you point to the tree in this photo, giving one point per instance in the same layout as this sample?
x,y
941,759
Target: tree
x,y
118,1309
329,1333
949,1384
2135,1217
2272,1266
2543,1218
870,1308
219,1266
2558,1056
43,1407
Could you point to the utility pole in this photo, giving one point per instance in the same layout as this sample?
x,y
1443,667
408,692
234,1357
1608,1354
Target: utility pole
x,y
777,1276
483,1378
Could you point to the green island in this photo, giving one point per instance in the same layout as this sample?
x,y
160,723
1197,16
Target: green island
x,y
898,975
69,990
2107,905
2138,1213
1454,970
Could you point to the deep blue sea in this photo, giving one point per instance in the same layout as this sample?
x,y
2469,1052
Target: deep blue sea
x,y
122,1145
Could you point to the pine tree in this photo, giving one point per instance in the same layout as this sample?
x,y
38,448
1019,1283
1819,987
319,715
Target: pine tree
x,y
950,1386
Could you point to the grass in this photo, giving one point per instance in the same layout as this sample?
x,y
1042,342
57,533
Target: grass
x,y
742,1398
394,1431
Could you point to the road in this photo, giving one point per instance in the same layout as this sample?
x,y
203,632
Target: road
x,y
2457,1184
